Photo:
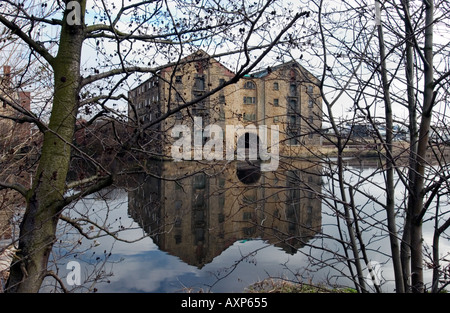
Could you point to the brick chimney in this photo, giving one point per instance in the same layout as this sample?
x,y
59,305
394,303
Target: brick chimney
x,y
6,76
25,99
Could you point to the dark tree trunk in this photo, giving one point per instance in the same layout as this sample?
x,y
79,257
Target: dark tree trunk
x,y
45,199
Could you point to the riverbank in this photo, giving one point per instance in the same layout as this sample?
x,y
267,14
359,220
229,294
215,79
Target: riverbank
x,y
272,285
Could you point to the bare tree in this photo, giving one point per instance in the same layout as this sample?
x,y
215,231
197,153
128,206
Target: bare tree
x,y
124,40
379,72
367,73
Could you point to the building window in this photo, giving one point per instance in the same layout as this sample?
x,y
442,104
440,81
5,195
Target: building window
x,y
199,181
249,100
221,99
293,107
276,86
292,121
276,102
293,89
311,132
310,89
178,79
247,216
293,141
249,116
276,119
293,129
310,103
249,85
199,83
221,81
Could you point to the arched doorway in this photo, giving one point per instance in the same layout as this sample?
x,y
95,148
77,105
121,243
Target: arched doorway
x,y
248,172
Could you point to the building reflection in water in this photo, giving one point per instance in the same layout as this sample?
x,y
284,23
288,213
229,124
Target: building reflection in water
x,y
196,212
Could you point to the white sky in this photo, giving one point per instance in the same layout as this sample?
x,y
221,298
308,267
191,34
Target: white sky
x,y
310,60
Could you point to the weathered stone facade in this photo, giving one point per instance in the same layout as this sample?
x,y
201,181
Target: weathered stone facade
x,y
286,95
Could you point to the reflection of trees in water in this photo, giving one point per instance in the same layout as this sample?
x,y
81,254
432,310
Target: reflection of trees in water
x,y
201,214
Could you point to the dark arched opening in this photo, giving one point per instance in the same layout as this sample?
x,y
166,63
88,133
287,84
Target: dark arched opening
x,y
248,172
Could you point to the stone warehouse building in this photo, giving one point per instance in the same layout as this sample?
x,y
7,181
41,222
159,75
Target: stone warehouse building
x,y
285,95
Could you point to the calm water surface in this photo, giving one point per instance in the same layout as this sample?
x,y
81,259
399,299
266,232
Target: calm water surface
x,y
218,229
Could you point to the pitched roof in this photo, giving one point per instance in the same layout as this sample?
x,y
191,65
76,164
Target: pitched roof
x,y
263,73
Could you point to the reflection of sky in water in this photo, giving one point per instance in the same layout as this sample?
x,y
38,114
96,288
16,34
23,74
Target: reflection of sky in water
x,y
156,271
142,267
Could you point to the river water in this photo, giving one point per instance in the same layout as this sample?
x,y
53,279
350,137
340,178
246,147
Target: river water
x,y
188,226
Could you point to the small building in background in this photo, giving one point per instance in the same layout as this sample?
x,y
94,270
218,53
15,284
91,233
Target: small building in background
x,y
13,132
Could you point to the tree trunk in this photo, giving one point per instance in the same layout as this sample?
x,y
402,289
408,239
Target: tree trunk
x,y
390,187
44,201
417,283
412,127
